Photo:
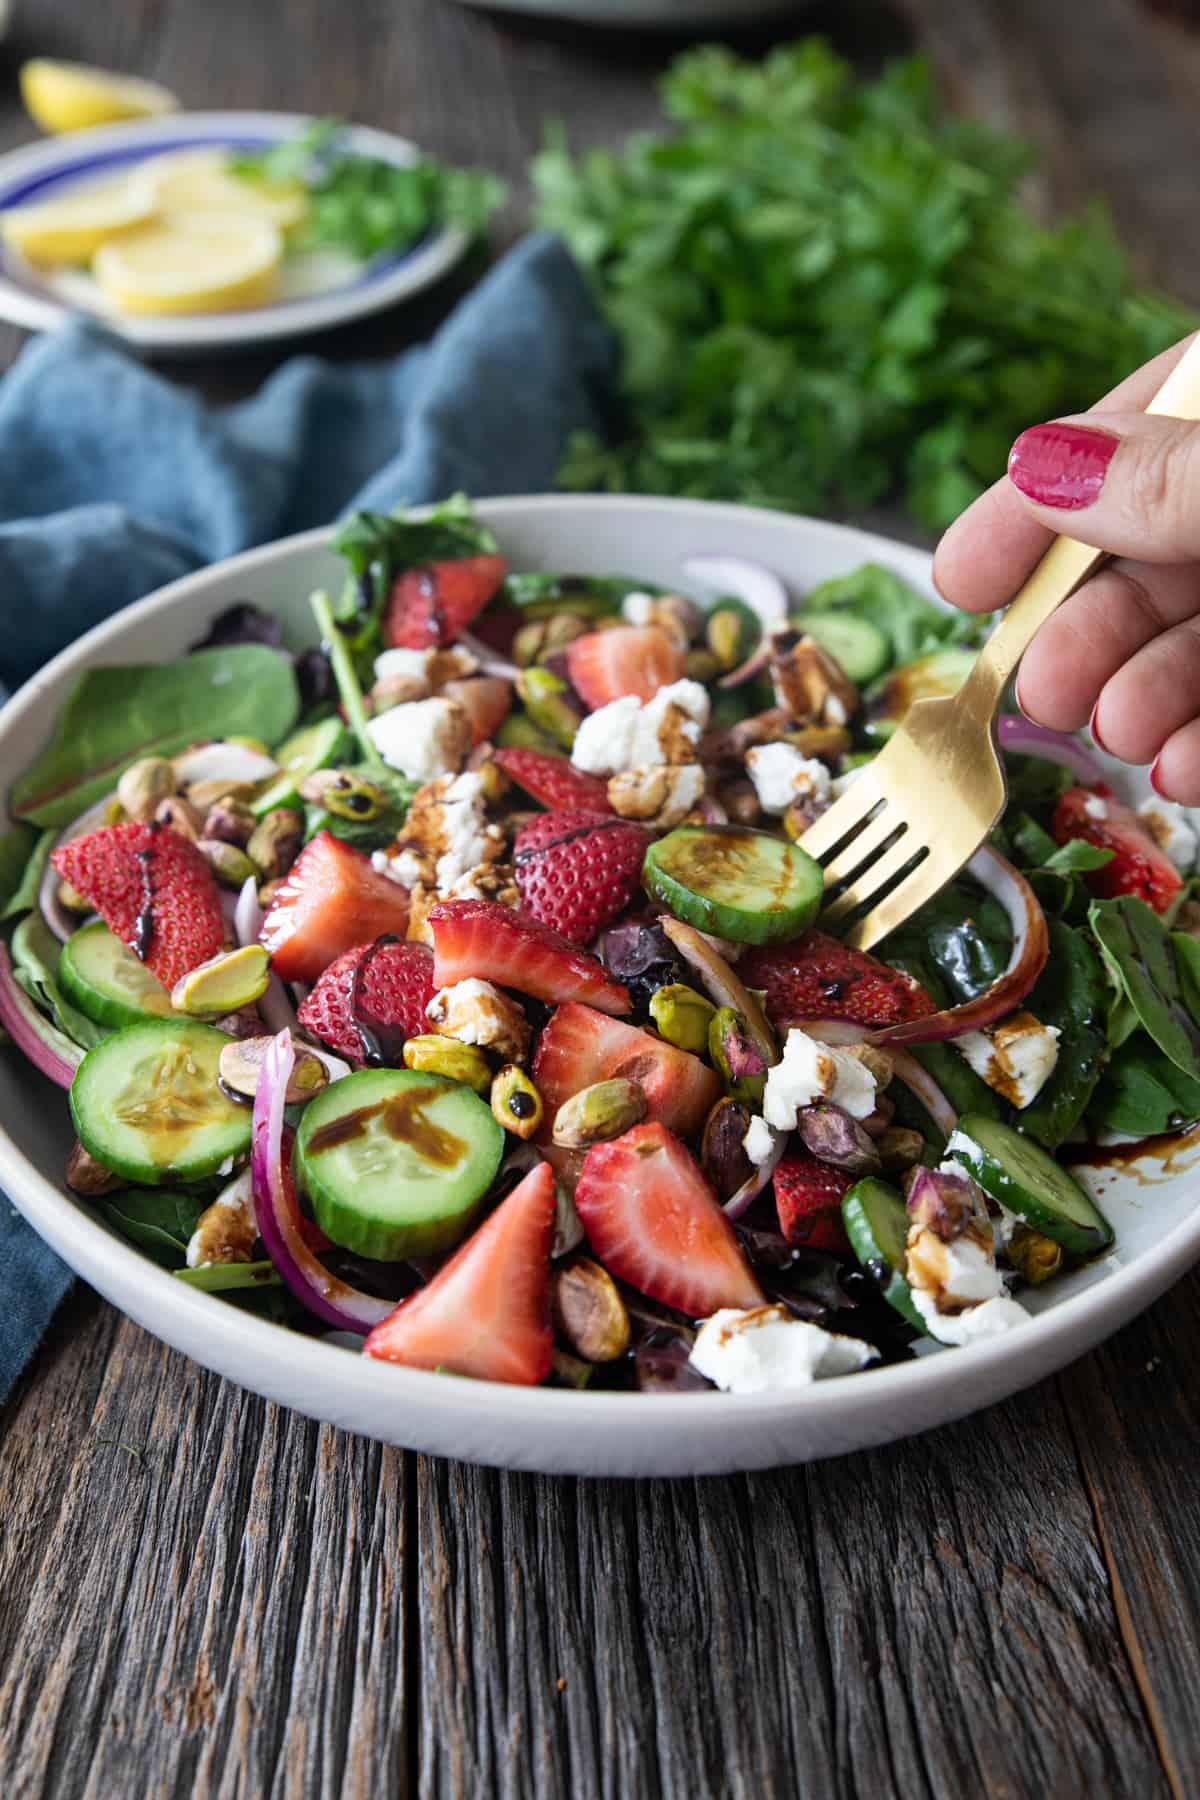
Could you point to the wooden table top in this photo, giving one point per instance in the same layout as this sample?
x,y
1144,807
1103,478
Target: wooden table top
x,y
201,1594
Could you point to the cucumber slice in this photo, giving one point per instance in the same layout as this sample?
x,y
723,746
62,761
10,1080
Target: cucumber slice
x,y
316,747
746,885
876,1223
396,1162
934,677
1023,1177
859,648
146,1103
104,979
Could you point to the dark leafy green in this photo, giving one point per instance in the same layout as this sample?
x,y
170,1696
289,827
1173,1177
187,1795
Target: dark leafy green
x,y
825,289
159,1220
1034,784
35,954
1077,857
960,942
912,624
1143,962
540,594
1071,993
1142,1092
114,716
378,546
363,205
24,895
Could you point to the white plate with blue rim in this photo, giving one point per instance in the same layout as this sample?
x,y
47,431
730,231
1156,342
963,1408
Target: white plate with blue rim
x,y
316,289
1150,1193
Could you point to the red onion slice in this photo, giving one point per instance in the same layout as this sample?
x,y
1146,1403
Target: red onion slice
x,y
1031,947
278,1213
490,661
752,583
758,1178
1025,738
723,985
42,1043
907,1068
247,913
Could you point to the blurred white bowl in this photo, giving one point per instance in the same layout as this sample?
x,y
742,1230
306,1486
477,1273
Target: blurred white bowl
x,y
655,15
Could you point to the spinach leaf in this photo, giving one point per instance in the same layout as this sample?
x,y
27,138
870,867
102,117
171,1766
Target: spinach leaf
x,y
965,1090
114,716
1187,960
159,1220
221,1278
961,938
25,895
588,595
397,541
17,847
1034,785
1071,993
35,953
913,625
1142,1092
1143,963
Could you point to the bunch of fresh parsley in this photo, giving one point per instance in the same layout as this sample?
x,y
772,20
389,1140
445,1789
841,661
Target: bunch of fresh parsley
x,y
363,205
827,292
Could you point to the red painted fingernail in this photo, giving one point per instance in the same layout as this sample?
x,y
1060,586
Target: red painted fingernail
x,y
1061,465
1155,783
1095,730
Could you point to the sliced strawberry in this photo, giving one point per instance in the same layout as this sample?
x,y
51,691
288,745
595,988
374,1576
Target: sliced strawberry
x,y
629,659
808,1198
578,1046
396,987
331,900
1138,866
154,891
578,871
654,1221
553,782
816,977
433,605
486,1312
499,944
488,702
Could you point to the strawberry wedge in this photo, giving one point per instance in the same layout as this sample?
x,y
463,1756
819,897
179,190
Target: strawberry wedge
x,y
331,900
808,1198
397,989
655,1222
154,891
433,606
498,944
579,1046
486,1313
552,781
1138,866
816,977
629,659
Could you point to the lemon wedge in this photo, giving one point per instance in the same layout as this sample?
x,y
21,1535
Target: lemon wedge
x,y
67,96
191,262
72,229
199,181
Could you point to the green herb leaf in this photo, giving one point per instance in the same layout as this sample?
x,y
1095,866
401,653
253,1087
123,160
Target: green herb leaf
x,y
825,290
1142,961
114,716
1077,857
366,834
159,1220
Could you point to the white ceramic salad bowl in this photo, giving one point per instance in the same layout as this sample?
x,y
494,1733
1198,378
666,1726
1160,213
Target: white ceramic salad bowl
x,y
1151,1203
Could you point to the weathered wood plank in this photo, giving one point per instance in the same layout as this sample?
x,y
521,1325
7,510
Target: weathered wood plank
x,y
932,1619
199,1593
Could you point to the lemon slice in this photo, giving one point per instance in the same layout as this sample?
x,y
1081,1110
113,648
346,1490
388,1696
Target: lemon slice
x,y
191,262
67,96
199,181
72,229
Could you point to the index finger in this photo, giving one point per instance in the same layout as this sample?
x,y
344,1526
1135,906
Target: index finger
x,y
990,549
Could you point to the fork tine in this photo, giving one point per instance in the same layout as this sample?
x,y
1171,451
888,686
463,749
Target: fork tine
x,y
904,900
844,816
865,846
874,878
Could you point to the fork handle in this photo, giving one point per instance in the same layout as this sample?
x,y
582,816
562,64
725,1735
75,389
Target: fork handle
x,y
1065,566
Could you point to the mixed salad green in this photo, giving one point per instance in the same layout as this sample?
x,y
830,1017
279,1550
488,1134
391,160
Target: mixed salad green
x,y
459,982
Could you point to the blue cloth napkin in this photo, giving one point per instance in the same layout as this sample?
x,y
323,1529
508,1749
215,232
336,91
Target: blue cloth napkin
x,y
113,482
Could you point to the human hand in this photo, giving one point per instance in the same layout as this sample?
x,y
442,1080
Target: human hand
x,y
1124,652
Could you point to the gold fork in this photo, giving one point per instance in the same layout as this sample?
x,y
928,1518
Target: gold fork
x,y
925,804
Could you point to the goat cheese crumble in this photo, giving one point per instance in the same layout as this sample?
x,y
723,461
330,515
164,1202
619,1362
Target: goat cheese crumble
x,y
767,1349
809,1071
781,775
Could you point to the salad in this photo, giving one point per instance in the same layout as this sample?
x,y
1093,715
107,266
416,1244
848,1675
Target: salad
x,y
455,986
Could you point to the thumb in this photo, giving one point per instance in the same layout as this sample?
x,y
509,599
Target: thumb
x,y
1128,483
